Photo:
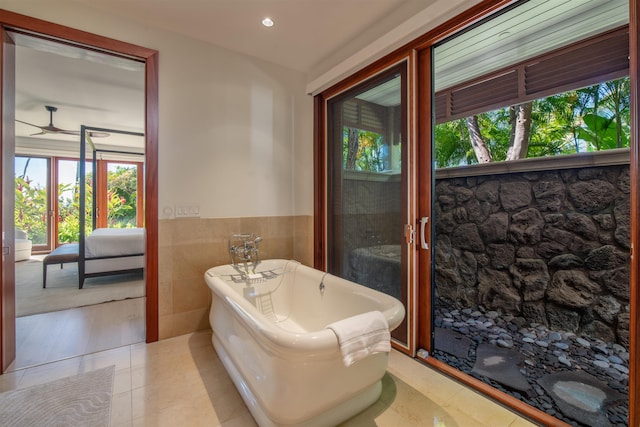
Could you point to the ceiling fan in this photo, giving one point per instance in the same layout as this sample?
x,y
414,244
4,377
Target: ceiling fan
x,y
50,128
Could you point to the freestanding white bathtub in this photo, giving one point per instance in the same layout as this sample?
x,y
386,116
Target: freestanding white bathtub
x,y
269,330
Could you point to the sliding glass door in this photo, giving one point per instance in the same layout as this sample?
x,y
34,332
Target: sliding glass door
x,y
117,188
68,200
367,186
118,204
32,200
532,209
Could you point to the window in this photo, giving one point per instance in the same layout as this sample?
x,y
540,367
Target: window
x,y
502,233
571,99
117,187
32,201
589,119
118,190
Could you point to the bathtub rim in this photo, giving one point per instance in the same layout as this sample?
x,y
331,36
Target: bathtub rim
x,y
320,341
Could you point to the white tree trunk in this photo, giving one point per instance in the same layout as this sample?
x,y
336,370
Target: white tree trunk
x,y
520,131
479,146
353,144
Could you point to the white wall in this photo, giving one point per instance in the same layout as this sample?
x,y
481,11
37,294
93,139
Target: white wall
x,y
235,132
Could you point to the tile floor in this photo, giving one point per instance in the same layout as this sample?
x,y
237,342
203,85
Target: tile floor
x,y
181,382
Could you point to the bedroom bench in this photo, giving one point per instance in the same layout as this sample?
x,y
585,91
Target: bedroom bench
x,y
60,255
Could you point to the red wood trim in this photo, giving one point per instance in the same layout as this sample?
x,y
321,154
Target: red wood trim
x,y
140,195
99,198
51,212
459,22
150,56
634,297
54,202
151,195
320,176
7,266
404,332
41,27
425,182
524,409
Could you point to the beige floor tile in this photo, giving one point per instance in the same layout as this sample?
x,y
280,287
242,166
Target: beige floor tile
x,y
181,381
50,372
458,418
10,380
154,397
480,408
244,420
120,357
376,415
122,381
522,422
183,412
425,379
226,406
121,409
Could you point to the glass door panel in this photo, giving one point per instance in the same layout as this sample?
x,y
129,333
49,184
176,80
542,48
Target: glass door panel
x,y
32,207
532,256
68,198
122,195
367,206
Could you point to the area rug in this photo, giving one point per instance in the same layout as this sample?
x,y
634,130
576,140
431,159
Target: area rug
x,y
81,400
62,290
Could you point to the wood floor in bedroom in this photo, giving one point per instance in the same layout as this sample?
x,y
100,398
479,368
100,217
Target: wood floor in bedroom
x,y
58,335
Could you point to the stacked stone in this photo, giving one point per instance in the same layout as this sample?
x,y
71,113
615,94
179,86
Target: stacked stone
x,y
544,351
551,247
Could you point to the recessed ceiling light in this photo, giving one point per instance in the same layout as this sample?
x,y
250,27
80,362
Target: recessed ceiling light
x,y
267,22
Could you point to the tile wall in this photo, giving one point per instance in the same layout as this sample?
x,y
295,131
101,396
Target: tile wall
x,y
189,247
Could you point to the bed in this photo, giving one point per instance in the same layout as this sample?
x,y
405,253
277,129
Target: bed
x,y
106,251
112,251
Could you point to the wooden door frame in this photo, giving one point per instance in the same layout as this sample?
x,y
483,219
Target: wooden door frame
x,y
634,297
14,21
7,162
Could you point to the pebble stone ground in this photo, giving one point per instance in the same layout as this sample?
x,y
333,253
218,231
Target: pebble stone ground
x,y
543,351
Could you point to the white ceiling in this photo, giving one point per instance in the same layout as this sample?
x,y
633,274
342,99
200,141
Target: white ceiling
x,y
305,31
533,28
92,91
88,88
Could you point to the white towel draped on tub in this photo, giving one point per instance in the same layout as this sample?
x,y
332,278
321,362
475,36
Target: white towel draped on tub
x,y
362,335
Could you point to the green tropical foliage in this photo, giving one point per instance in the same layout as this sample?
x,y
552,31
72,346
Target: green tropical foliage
x,y
31,205
590,119
69,210
31,209
363,150
122,194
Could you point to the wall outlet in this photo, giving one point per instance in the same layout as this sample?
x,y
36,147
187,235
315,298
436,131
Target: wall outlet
x,y
187,211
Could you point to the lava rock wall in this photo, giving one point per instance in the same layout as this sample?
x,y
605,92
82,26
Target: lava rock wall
x,y
550,247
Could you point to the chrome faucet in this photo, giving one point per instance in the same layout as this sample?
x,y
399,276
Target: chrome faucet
x,y
244,248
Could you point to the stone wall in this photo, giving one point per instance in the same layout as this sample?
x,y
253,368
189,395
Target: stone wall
x,y
548,247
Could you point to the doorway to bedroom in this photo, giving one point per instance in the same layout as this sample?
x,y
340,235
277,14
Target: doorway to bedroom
x,y
77,87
